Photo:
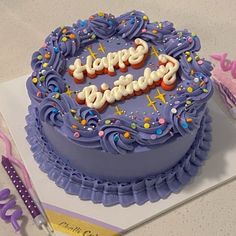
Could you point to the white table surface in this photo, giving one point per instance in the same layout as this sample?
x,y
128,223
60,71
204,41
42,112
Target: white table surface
x,y
24,25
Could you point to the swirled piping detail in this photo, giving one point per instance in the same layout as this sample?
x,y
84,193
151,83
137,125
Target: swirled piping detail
x,y
183,41
51,110
103,25
45,83
138,192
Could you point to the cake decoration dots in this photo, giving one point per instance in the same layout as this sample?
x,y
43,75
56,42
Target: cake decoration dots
x,y
145,17
205,90
72,36
42,78
202,83
83,122
196,80
74,126
190,89
45,64
116,138
189,120
91,113
200,62
47,55
56,89
57,95
189,59
107,122
147,119
39,94
101,14
64,31
133,125
146,125
161,121
100,133
76,134
158,131
35,80
54,110
127,134
173,110
64,39
73,111
39,57
153,136
56,49
184,124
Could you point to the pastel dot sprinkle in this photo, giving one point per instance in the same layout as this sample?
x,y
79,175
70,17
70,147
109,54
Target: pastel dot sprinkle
x,y
107,122
146,125
76,134
100,133
159,131
133,125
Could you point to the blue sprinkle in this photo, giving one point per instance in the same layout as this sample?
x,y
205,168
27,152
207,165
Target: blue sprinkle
x,y
83,23
110,22
132,20
54,110
91,113
56,49
116,138
159,131
56,89
184,124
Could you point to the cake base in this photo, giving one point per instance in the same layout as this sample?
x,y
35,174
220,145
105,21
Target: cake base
x,y
151,189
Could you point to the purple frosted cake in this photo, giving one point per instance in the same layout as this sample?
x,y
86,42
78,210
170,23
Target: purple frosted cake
x,y
118,110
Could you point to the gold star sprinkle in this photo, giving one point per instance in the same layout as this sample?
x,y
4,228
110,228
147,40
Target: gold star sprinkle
x,y
151,103
118,111
92,53
154,51
161,96
69,92
101,48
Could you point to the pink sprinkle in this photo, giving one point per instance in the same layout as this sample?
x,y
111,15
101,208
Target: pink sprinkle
x,y
190,39
161,121
153,136
76,134
38,94
144,30
200,62
100,133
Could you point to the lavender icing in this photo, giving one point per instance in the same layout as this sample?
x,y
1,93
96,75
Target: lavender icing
x,y
55,105
152,188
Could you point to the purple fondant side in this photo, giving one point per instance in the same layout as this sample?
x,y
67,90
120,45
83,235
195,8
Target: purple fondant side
x,y
125,193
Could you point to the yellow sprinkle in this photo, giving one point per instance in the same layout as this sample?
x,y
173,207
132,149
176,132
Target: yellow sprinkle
x,y
192,72
187,53
147,119
154,31
127,134
64,39
73,111
194,34
145,17
197,58
45,64
146,125
190,89
35,80
101,14
189,59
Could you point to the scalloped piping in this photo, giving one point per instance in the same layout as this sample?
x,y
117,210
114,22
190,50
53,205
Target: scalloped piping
x,y
111,193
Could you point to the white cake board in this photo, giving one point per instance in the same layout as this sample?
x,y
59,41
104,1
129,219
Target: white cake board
x,y
220,167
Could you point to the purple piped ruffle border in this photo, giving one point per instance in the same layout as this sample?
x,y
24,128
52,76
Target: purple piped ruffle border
x,y
111,193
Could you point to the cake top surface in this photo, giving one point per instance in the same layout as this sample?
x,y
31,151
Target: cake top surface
x,y
120,84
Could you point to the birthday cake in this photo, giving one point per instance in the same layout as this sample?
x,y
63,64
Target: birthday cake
x,y
118,110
